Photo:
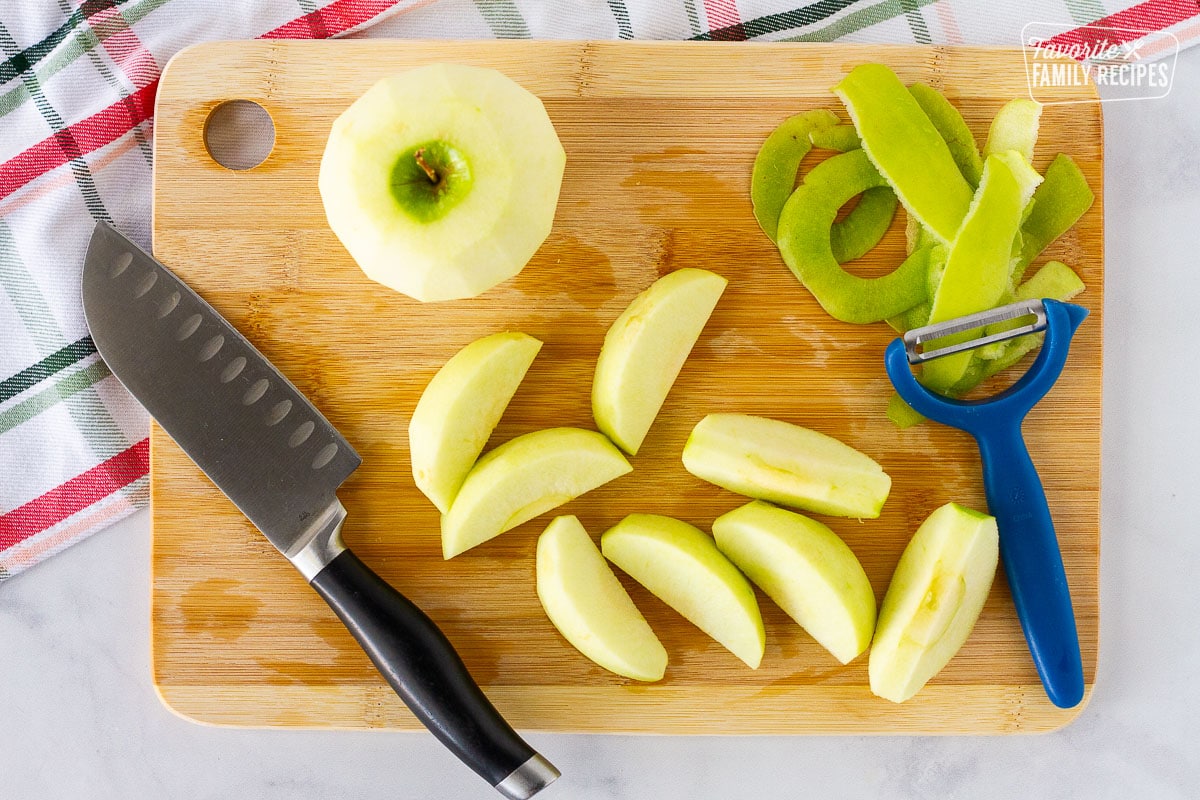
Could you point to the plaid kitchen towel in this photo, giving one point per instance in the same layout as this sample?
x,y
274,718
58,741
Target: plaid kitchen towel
x,y
77,85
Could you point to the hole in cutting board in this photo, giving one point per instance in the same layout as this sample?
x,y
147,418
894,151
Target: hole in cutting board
x,y
239,134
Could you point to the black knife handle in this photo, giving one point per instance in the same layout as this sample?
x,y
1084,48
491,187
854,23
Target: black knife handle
x,y
422,666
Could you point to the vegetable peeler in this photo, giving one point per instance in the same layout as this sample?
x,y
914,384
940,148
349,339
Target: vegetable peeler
x,y
1028,545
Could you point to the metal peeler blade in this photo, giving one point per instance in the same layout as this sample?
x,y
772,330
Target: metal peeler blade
x,y
915,339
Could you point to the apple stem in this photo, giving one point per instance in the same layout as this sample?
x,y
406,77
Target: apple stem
x,y
430,172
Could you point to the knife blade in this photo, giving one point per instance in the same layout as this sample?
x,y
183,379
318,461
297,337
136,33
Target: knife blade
x,y
280,461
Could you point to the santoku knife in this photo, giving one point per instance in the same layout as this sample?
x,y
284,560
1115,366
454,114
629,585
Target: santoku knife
x,y
280,461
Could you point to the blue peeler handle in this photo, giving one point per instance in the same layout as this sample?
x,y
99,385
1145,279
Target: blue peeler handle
x,y
1028,545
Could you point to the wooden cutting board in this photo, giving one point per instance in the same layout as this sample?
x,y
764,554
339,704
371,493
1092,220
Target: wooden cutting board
x,y
660,138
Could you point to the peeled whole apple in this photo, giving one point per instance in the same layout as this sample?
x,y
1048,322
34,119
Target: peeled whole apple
x,y
460,407
590,607
806,569
936,595
442,181
525,477
681,566
644,350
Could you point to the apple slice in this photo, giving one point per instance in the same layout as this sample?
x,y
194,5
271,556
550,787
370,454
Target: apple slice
x,y
590,607
772,460
460,408
682,566
442,181
806,569
935,597
644,350
525,477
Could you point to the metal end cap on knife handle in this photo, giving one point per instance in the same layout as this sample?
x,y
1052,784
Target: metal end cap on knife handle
x,y
917,338
528,779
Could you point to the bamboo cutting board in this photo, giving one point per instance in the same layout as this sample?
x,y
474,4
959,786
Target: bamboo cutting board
x,y
660,138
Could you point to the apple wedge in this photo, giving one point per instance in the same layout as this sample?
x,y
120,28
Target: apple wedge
x,y
525,477
459,409
935,597
772,460
644,350
806,569
442,181
682,566
590,607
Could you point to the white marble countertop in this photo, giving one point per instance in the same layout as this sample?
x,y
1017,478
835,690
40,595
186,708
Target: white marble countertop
x,y
79,717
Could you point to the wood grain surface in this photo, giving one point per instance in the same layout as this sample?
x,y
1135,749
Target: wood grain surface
x,y
660,138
